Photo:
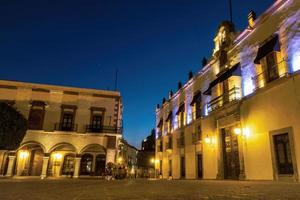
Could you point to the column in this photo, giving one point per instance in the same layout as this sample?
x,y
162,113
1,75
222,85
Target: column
x,y
11,164
76,167
45,167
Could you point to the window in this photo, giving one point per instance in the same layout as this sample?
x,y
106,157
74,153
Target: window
x,y
196,105
181,141
36,115
169,122
170,143
67,118
270,63
181,115
97,116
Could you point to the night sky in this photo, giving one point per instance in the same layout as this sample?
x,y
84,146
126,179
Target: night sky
x,y
152,43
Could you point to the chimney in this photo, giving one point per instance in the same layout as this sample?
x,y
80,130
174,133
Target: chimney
x,y
170,94
251,19
190,75
204,61
163,101
179,85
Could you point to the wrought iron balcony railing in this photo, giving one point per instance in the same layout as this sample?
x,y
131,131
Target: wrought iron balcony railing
x,y
65,127
91,128
230,95
270,74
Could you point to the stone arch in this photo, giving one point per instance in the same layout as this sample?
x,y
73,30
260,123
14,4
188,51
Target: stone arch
x,y
30,159
93,148
32,143
62,159
68,146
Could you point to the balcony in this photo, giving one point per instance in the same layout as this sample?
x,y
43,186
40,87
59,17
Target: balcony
x,y
270,74
103,129
65,127
231,95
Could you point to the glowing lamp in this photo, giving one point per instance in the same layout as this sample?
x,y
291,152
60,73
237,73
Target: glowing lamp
x,y
237,131
120,159
246,132
207,140
57,156
152,160
24,154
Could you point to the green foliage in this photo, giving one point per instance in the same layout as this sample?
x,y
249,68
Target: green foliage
x,y
13,126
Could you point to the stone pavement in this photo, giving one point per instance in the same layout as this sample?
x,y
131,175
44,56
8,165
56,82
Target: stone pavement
x,y
83,189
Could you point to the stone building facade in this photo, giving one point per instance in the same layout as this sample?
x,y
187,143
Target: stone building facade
x,y
238,117
71,132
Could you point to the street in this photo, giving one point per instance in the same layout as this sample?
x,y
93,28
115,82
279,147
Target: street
x,y
91,189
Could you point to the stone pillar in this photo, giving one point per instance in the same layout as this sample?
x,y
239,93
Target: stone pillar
x,y
45,167
11,164
77,167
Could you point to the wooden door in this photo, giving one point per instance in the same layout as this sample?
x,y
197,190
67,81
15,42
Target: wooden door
x,y
231,160
199,166
182,167
283,154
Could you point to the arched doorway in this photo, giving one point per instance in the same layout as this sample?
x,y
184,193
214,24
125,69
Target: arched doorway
x,y
93,160
29,160
86,164
100,164
62,160
68,165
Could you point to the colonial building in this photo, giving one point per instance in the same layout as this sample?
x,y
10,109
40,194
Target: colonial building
x,y
146,156
238,117
71,131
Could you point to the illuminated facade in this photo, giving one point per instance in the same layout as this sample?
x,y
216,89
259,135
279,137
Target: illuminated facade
x,y
72,132
238,118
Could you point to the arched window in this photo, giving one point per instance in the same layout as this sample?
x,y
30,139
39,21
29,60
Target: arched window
x,y
86,164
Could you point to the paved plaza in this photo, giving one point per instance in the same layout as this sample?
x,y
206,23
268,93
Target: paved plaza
x,y
80,189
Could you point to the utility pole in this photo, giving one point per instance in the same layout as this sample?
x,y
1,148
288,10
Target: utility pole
x,y
116,80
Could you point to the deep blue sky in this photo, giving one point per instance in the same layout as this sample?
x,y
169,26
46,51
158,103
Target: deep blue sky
x,y
153,43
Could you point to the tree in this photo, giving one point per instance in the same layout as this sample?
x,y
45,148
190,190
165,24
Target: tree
x,y
13,126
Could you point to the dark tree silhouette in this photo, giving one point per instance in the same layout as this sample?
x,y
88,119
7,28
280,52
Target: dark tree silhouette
x,y
13,126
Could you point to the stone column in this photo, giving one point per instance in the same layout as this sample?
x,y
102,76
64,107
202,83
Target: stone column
x,y
77,167
45,167
11,164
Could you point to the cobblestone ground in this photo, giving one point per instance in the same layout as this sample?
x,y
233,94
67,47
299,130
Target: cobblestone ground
x,y
146,189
